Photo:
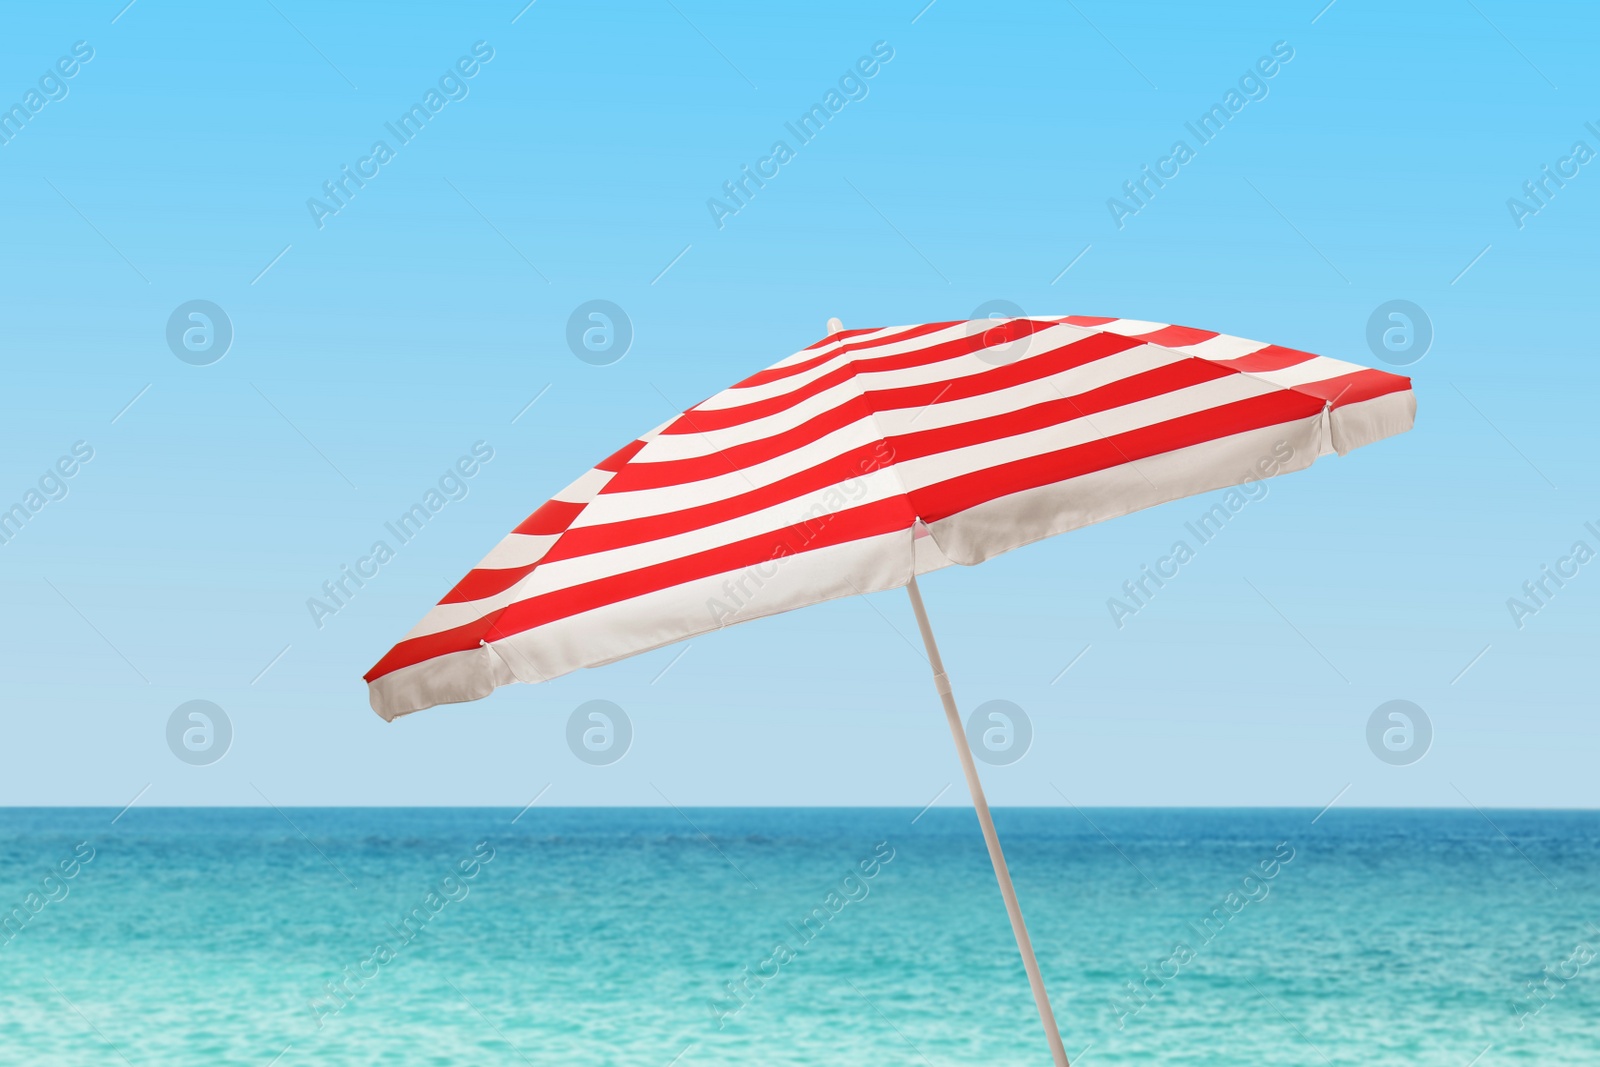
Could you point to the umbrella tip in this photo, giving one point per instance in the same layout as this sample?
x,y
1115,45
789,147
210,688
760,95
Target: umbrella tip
x,y
834,326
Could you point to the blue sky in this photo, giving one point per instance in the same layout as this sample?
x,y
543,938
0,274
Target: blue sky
x,y
976,164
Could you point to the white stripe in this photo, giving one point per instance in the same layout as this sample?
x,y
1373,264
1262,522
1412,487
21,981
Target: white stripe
x,y
870,487
1130,327
1317,369
833,347
614,507
741,395
642,503
1222,346
831,355
584,489
517,550
638,624
1067,384
616,631
695,443
930,470
520,550
812,508
995,526
639,503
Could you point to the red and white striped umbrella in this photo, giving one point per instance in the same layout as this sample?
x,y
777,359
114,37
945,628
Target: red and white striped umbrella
x,y
805,482
869,458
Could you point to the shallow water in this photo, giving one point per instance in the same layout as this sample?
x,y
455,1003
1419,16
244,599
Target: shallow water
x,y
633,936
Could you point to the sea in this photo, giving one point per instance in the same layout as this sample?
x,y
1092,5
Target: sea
x,y
682,938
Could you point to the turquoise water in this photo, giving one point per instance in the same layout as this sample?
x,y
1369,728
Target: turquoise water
x,y
633,936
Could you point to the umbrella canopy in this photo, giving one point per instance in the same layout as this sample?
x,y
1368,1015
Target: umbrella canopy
x,y
869,458
865,460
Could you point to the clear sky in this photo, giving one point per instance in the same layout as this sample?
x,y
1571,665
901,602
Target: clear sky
x,y
375,344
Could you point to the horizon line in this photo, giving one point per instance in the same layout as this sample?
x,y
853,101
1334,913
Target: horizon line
x,y
799,807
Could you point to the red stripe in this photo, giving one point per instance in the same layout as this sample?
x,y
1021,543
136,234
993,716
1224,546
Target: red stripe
x,y
1356,386
772,373
586,540
844,468
482,582
1176,336
552,517
955,495
699,421
853,524
1265,359
662,473
778,373
618,459
656,475
1132,389
931,503
832,472
841,333
431,646
883,516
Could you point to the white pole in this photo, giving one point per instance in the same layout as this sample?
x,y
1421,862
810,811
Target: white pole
x,y
996,857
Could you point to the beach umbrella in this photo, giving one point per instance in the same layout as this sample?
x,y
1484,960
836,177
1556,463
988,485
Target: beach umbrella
x,y
871,457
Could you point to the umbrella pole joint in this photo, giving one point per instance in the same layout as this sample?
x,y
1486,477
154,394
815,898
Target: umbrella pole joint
x,y
941,682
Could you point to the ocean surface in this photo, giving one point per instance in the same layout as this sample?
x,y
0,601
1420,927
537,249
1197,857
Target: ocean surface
x,y
796,936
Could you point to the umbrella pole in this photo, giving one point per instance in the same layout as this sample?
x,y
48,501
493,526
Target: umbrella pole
x,y
996,857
